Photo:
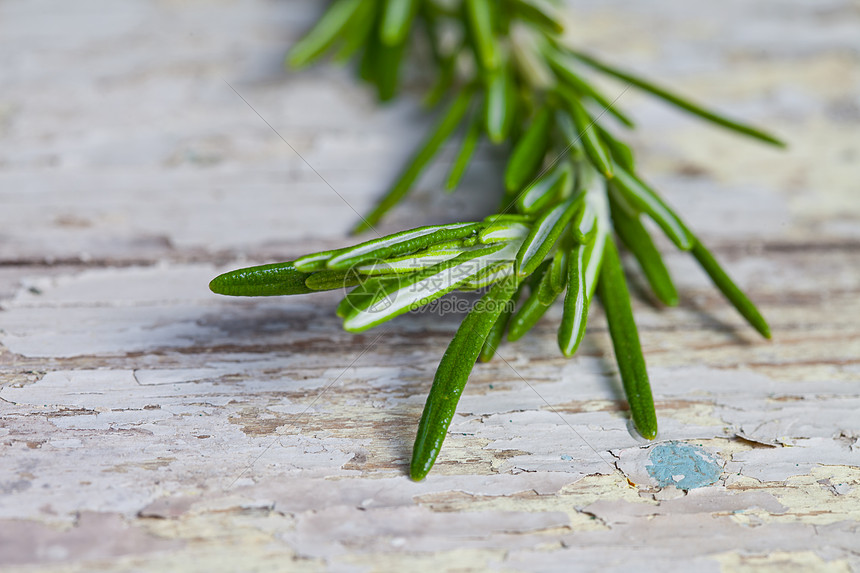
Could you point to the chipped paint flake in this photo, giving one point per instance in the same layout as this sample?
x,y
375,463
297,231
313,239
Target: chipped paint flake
x,y
683,466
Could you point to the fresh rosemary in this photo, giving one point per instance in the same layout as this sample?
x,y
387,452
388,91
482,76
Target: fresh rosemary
x,y
571,190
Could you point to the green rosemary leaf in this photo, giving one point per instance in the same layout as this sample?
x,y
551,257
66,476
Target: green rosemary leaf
x,y
326,31
497,332
387,73
500,105
730,289
555,280
584,222
452,375
446,126
556,183
538,13
382,299
370,56
621,152
615,297
565,73
399,244
595,149
503,230
677,100
508,218
467,149
330,280
444,80
545,232
531,311
645,199
528,152
264,280
411,262
583,269
638,241
465,243
356,31
583,225
571,329
396,21
314,261
480,17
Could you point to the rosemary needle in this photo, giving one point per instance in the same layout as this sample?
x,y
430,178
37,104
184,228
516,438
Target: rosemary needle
x,y
480,18
264,280
730,289
452,375
528,152
324,34
467,149
595,148
396,20
635,237
612,289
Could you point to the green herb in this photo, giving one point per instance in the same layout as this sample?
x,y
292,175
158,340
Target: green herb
x,y
635,237
467,149
533,308
452,375
625,341
545,232
548,187
529,152
570,187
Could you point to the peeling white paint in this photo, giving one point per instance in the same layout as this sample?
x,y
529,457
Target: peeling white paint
x,y
146,424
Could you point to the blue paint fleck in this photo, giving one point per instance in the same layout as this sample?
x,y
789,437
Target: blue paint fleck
x,y
684,466
566,457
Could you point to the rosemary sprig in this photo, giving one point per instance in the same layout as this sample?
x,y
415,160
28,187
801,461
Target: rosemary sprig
x,y
569,183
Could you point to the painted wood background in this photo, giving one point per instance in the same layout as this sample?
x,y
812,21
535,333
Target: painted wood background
x,y
146,424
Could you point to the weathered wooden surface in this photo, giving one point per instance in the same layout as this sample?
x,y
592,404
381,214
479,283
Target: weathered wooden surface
x,y
146,424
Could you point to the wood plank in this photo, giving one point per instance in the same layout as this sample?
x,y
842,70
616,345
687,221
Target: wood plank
x,y
147,424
